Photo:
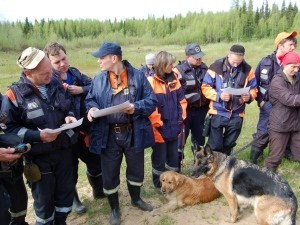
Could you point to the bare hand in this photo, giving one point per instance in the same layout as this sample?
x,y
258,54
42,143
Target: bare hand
x,y
7,155
129,109
261,104
89,115
47,137
75,90
245,97
225,96
70,119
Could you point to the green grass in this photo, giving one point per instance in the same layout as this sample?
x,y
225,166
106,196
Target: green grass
x,y
98,210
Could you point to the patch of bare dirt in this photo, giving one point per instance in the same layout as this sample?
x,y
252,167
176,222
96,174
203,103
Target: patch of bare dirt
x,y
213,213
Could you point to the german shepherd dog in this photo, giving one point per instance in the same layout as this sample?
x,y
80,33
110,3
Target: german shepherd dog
x,y
270,195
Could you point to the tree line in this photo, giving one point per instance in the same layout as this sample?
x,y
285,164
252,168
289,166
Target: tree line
x,y
242,23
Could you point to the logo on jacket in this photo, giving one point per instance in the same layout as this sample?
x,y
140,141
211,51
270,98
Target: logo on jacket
x,y
32,105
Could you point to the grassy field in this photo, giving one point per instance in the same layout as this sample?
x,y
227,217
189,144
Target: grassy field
x,y
82,59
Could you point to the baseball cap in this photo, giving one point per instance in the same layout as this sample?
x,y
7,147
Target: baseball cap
x,y
30,58
107,48
194,50
237,49
284,35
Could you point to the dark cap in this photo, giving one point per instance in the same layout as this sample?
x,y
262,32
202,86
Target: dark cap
x,y
194,50
237,49
107,48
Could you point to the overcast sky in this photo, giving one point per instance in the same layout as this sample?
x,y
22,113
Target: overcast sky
x,y
13,10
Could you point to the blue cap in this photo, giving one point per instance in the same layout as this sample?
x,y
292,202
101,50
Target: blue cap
x,y
194,50
107,48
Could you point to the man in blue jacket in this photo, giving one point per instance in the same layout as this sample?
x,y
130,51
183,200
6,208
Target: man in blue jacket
x,y
227,110
38,101
128,132
78,85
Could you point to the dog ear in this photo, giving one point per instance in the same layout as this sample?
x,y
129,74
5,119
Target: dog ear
x,y
195,146
208,152
177,179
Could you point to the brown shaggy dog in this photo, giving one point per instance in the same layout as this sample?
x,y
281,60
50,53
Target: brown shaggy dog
x,y
181,190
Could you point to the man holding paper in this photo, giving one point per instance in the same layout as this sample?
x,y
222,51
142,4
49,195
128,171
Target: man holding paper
x,y
222,85
126,132
39,100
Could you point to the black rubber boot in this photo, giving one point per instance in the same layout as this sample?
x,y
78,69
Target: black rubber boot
x,y
255,154
115,217
136,200
180,159
78,207
60,220
18,221
97,185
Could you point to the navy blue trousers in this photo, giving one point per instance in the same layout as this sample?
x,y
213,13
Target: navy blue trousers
x,y
91,160
261,137
53,194
164,157
224,133
111,161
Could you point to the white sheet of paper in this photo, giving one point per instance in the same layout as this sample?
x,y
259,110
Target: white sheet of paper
x,y
236,91
65,126
111,110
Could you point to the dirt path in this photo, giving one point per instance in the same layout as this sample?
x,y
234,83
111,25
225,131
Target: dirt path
x,y
213,213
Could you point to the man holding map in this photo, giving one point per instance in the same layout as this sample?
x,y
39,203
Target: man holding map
x,y
38,101
229,84
118,130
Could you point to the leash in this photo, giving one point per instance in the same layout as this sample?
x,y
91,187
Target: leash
x,y
182,145
248,144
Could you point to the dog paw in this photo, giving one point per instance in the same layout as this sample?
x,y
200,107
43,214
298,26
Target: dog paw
x,y
155,212
231,220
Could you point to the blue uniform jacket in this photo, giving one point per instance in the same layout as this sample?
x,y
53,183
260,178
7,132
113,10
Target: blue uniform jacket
x,y
217,77
141,94
264,73
28,111
83,81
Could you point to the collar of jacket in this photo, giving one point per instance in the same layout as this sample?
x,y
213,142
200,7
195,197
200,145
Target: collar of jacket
x,y
218,66
168,79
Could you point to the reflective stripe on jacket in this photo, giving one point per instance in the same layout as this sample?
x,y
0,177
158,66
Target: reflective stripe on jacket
x,y
217,77
140,93
171,107
28,111
191,80
264,73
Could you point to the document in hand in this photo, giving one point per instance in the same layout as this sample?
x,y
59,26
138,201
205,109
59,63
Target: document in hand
x,y
236,91
111,110
65,126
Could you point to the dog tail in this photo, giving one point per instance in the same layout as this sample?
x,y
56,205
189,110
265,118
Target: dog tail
x,y
294,210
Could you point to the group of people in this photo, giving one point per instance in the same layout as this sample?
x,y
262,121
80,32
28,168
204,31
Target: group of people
x,y
165,103
214,112
274,117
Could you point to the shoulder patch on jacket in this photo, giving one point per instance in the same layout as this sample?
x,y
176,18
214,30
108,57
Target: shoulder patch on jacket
x,y
10,94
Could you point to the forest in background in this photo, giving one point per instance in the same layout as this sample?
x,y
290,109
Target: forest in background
x,y
241,24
